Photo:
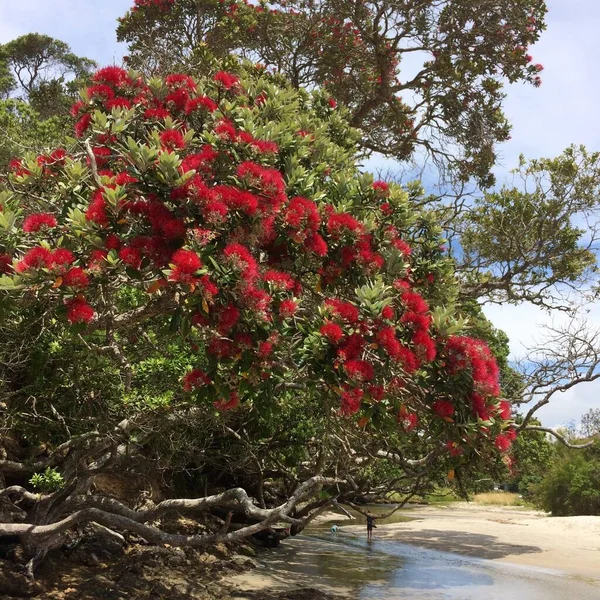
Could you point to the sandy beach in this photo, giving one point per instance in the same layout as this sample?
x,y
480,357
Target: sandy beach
x,y
515,535
500,551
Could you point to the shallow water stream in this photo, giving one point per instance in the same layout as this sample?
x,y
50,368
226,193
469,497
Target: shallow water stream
x,y
387,569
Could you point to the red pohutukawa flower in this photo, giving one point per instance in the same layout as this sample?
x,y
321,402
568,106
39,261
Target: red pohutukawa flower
x,y
340,223
504,410
38,221
186,261
240,257
316,244
350,401
76,278
227,80
454,449
443,408
407,420
5,263
281,281
118,103
333,332
96,211
82,125
228,404
172,139
265,349
79,311
381,187
113,76
36,258
346,311
228,317
61,258
287,309
131,256
359,370
503,442
200,103
195,379
377,392
468,353
387,312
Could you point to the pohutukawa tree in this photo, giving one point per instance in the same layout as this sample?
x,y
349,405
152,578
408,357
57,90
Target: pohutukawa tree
x,y
225,222
418,76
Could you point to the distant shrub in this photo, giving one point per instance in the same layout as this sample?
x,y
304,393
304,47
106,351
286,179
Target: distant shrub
x,y
571,486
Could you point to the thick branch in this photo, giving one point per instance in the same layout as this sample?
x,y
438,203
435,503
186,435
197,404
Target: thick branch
x,y
136,521
561,438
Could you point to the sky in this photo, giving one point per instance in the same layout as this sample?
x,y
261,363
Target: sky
x,y
545,120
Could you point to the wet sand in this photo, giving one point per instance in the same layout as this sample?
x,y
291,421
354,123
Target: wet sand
x,y
460,552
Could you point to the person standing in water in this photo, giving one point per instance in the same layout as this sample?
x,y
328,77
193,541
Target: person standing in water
x,y
370,525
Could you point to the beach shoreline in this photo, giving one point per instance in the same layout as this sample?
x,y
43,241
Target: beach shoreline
x,y
566,546
514,535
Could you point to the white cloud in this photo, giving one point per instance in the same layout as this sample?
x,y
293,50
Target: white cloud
x,y
524,324
548,119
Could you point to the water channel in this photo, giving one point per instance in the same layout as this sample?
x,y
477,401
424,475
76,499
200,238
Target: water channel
x,y
387,569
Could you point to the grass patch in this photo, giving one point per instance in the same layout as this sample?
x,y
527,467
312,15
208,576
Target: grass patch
x,y
499,499
440,496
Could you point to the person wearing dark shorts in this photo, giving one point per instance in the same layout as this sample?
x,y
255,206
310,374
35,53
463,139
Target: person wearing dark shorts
x,y
370,525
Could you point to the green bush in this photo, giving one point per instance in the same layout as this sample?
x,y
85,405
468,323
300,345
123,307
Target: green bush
x,y
572,486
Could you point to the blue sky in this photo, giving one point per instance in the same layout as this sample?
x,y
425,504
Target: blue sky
x,y
545,120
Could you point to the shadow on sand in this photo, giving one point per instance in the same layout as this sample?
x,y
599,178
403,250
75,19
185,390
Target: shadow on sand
x,y
467,544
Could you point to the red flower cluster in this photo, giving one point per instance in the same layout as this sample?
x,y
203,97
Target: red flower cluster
x,y
397,351
504,440
287,309
227,80
454,449
303,221
333,332
76,278
344,310
38,221
228,404
185,264
228,317
195,379
382,188
407,420
341,223
350,401
5,264
468,353
443,408
280,281
186,261
42,258
269,182
359,370
172,139
79,311
240,257
131,256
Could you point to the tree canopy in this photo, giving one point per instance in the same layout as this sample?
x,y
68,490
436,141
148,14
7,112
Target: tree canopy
x,y
227,215
418,77
202,290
